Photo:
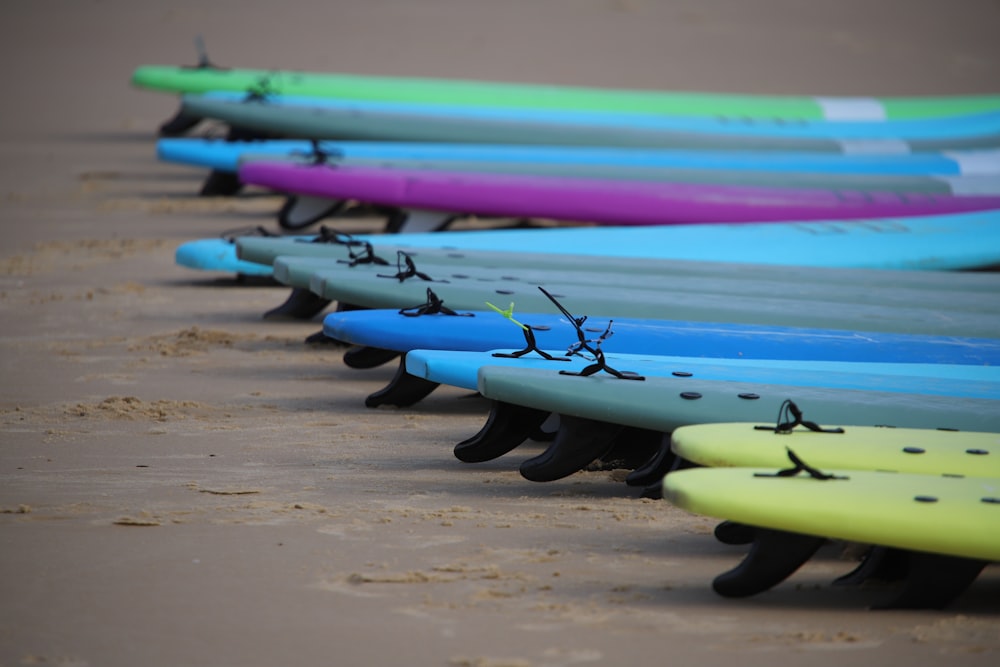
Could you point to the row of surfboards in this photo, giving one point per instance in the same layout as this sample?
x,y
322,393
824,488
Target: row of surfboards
x,y
799,390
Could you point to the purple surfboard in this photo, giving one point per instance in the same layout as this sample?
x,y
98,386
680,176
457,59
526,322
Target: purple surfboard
x,y
611,202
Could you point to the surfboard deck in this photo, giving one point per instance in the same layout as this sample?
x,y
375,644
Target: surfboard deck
x,y
461,368
750,283
663,404
922,451
368,288
955,127
602,201
959,241
225,155
178,79
374,121
930,513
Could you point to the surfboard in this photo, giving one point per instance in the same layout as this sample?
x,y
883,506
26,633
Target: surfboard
x,y
966,185
460,369
217,255
965,293
392,122
609,202
478,331
949,515
225,155
950,128
946,313
960,241
206,77
922,451
663,404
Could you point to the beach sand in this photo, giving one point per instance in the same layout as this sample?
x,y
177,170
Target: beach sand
x,y
183,483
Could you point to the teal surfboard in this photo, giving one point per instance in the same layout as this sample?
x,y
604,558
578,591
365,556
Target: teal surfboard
x,y
899,310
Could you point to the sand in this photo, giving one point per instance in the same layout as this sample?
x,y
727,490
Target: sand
x,y
183,483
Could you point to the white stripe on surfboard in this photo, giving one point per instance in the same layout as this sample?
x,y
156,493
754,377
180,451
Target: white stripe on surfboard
x,y
851,108
874,147
986,161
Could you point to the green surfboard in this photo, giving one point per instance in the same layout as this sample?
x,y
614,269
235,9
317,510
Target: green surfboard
x,y
203,79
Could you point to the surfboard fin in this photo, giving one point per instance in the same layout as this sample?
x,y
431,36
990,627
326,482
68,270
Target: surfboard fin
x,y
656,468
878,564
178,124
630,449
361,356
301,211
578,443
731,532
933,581
220,184
506,427
182,122
774,556
403,390
301,304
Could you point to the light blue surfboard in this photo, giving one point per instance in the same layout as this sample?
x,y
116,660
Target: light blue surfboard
x,y
964,241
225,155
460,369
927,129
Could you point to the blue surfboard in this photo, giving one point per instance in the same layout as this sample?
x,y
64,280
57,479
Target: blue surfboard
x,y
487,330
956,127
225,155
949,242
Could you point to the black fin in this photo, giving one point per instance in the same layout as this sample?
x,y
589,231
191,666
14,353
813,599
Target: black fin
x,y
220,183
654,489
933,581
403,390
320,338
507,427
578,442
301,304
879,564
631,448
654,469
773,557
179,124
361,356
731,532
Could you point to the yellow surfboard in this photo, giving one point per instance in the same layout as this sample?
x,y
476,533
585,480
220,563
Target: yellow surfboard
x,y
938,514
909,450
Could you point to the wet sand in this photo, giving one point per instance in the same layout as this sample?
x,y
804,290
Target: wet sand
x,y
183,483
